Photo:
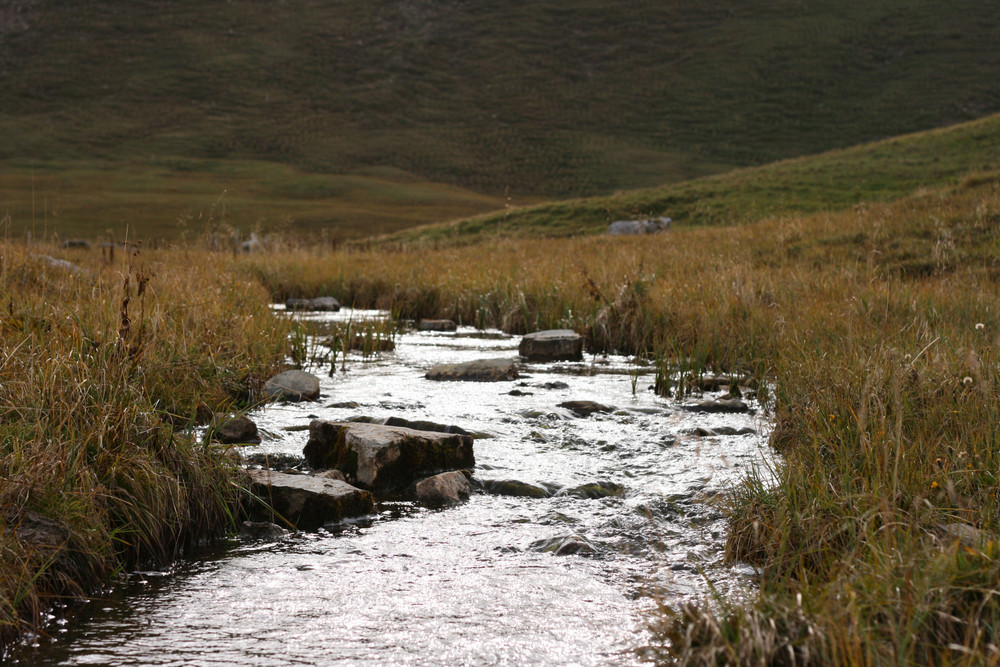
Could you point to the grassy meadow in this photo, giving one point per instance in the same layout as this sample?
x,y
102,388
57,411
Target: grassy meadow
x,y
873,325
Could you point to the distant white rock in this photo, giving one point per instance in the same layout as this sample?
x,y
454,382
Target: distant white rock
x,y
636,227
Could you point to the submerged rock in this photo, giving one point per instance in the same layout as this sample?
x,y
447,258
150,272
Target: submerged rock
x,y
385,459
585,408
234,430
437,325
552,345
515,488
722,405
278,462
262,530
448,488
600,489
292,386
482,370
565,545
307,501
319,304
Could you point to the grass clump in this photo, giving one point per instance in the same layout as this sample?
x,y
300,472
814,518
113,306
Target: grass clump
x,y
99,362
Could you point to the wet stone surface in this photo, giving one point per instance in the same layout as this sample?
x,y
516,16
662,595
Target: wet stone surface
x,y
572,524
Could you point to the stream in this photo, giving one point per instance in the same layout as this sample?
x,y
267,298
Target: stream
x,y
497,580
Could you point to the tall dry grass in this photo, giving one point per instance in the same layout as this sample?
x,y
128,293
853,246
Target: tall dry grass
x,y
100,364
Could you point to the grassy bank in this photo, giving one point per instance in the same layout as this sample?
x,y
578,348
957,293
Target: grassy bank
x,y
876,538
100,364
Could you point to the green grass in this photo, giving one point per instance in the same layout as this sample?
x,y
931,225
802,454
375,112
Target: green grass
x,y
531,100
875,172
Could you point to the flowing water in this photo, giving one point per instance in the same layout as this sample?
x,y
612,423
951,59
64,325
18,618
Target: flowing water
x,y
496,581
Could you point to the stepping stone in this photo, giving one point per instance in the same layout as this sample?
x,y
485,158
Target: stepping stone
x,y
309,502
722,405
552,345
585,408
385,459
482,370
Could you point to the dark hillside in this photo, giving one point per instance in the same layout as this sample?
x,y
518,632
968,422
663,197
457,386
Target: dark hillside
x,y
543,97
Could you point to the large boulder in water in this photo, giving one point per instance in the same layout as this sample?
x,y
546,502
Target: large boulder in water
x,y
292,386
481,370
309,502
385,459
552,345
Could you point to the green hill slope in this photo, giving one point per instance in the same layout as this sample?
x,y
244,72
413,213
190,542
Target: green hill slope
x,y
542,98
873,172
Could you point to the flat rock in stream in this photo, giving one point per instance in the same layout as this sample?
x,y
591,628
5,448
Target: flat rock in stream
x,y
585,408
415,424
385,459
448,488
309,502
437,325
515,488
721,405
481,370
292,386
319,304
552,345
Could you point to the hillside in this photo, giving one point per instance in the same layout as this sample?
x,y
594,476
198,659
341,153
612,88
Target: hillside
x,y
516,100
869,173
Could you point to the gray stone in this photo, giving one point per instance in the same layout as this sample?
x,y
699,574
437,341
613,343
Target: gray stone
x,y
634,227
448,488
482,370
234,430
415,424
319,304
964,533
552,345
292,386
307,501
62,264
385,459
585,408
437,325
565,545
262,530
722,405
515,488
595,490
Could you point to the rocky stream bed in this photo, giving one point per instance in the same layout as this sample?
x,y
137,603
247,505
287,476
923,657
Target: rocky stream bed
x,y
581,520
